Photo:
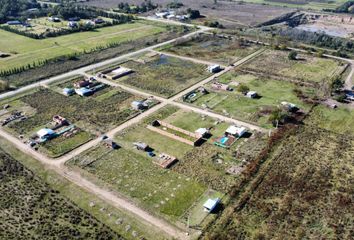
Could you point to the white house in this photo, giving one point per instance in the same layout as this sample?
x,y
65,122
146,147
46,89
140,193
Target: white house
x,y
236,131
211,204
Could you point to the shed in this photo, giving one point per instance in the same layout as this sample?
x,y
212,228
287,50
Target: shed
x,y
82,83
68,91
45,133
139,105
72,24
235,131
98,20
141,146
15,22
252,94
201,132
214,68
211,204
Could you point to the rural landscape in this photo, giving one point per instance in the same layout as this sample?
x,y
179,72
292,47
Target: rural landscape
x,y
176,119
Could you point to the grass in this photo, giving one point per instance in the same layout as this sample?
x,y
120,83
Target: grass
x,y
236,105
26,50
82,199
303,193
164,75
137,177
213,48
339,120
307,69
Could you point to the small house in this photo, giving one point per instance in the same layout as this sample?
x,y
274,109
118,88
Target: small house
x,y
139,105
211,204
214,68
141,146
72,24
109,143
83,92
201,132
350,96
251,94
235,131
98,21
161,14
45,133
68,91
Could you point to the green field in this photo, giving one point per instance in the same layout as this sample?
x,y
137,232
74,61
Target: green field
x,y
25,50
213,48
235,104
164,75
339,120
306,69
307,4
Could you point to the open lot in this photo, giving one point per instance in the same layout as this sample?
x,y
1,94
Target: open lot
x,y
306,68
213,48
25,50
92,115
163,75
304,192
230,14
31,209
305,4
237,105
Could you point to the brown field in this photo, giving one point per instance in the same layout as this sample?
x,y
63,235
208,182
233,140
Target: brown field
x,y
230,14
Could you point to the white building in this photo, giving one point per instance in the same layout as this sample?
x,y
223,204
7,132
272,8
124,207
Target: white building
x,y
236,131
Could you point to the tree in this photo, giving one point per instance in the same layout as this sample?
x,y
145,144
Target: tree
x,y
193,14
292,55
243,88
337,83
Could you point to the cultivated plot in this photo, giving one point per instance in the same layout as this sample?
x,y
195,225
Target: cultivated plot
x,y
214,48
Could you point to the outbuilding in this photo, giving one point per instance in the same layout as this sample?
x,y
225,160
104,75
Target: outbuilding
x,y
45,133
83,92
214,68
139,105
68,91
201,132
211,204
252,94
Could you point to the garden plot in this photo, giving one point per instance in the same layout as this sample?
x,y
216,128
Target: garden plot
x,y
135,176
306,68
85,116
213,48
257,110
163,75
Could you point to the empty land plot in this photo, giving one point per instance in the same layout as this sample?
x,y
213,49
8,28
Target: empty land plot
x,y
91,115
304,193
306,68
340,120
237,105
30,209
135,176
164,75
213,48
25,50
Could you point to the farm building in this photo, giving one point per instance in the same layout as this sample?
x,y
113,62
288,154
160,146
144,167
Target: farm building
x,y
116,73
15,22
220,86
83,92
214,68
235,131
211,204
139,105
68,91
251,94
45,133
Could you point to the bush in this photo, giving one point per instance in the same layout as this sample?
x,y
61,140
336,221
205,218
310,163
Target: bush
x,y
243,88
292,55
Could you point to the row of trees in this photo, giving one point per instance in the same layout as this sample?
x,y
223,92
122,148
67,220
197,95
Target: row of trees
x,y
133,9
14,8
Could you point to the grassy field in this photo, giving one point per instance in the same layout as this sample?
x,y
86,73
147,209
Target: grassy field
x,y
339,120
164,75
316,5
307,68
124,223
31,209
93,115
26,50
213,48
137,177
305,192
235,104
